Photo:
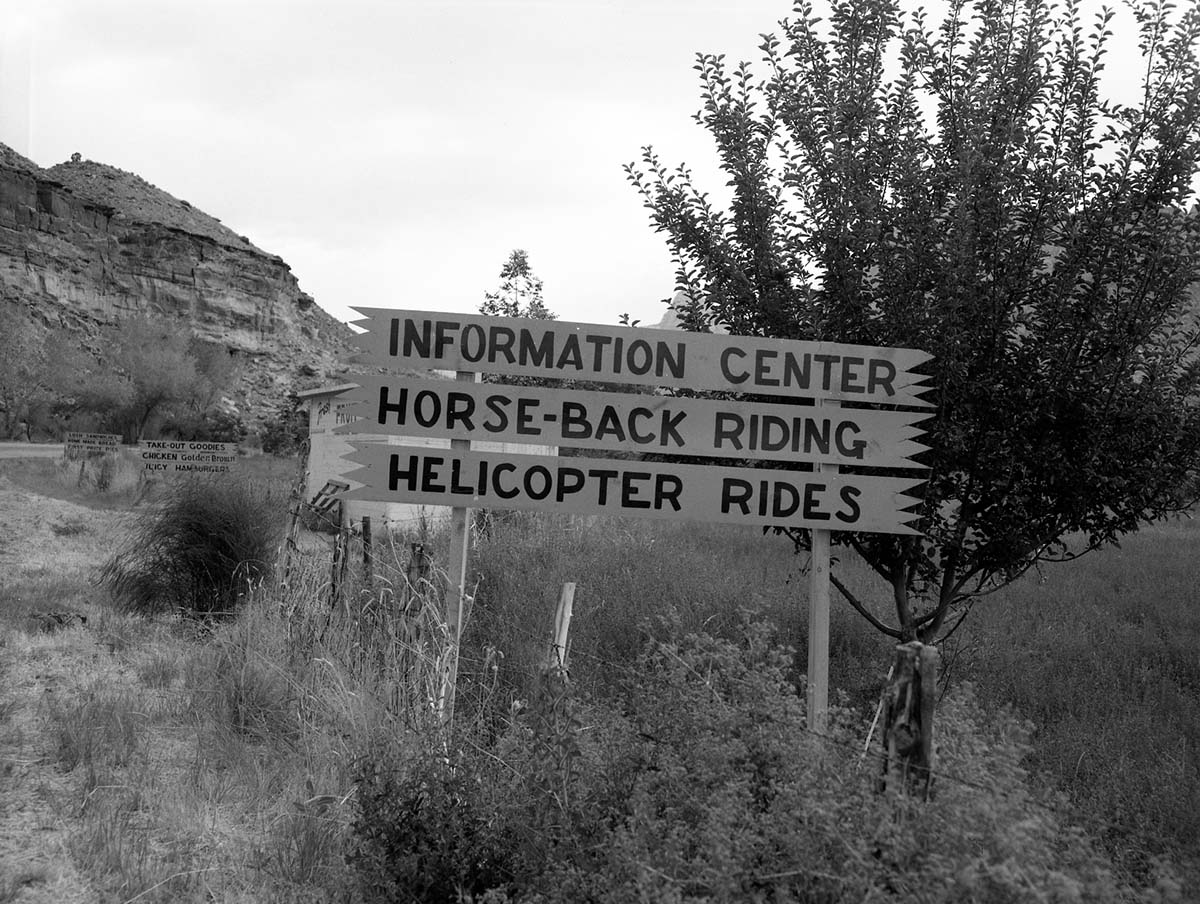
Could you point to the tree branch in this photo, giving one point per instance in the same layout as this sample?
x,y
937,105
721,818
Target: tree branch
x,y
861,609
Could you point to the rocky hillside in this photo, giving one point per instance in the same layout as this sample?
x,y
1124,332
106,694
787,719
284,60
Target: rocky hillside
x,y
83,245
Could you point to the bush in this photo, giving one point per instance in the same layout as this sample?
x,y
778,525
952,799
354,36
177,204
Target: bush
x,y
285,430
699,783
201,550
213,426
113,474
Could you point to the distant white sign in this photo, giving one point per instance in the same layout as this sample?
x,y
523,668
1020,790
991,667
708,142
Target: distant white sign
x,y
79,444
173,456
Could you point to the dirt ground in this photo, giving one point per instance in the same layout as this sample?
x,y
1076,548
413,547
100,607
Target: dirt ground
x,y
42,538
60,646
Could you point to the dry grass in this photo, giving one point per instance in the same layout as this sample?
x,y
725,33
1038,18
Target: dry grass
x,y
217,763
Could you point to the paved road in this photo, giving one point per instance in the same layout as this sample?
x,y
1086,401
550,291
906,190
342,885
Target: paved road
x,y
31,450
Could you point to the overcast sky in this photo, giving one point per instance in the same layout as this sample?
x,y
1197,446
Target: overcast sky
x,y
394,152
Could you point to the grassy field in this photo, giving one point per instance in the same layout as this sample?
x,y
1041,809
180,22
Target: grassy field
x,y
1103,654
220,762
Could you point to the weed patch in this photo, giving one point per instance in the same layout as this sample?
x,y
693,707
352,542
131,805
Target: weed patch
x,y
699,782
101,729
202,551
1101,655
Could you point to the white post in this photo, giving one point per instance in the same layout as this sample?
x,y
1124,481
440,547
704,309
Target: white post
x,y
562,625
818,619
456,590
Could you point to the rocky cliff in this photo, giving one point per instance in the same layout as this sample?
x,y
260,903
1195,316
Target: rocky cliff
x,y
83,245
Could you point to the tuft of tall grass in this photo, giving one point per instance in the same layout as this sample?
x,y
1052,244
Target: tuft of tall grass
x,y
99,726
126,856
159,670
201,551
631,575
115,477
25,598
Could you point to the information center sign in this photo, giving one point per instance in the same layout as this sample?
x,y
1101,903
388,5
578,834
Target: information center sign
x,y
816,431
646,357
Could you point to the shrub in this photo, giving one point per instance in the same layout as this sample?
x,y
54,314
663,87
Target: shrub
x,y
216,425
200,550
285,430
699,782
430,830
113,474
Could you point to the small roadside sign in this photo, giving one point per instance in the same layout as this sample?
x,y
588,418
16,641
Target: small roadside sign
x,y
77,445
198,457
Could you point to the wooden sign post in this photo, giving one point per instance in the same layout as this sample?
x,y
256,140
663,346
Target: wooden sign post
x,y
809,441
456,590
818,622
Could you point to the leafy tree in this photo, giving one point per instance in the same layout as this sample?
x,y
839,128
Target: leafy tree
x,y
285,430
20,366
156,369
986,204
216,370
520,292
519,295
37,368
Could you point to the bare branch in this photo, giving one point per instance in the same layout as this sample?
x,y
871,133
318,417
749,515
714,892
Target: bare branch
x,y
861,609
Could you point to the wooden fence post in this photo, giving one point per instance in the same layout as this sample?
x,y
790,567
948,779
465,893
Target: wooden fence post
x,y
368,551
557,656
416,575
908,719
339,557
295,507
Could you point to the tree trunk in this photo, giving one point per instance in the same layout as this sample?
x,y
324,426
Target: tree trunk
x,y
908,719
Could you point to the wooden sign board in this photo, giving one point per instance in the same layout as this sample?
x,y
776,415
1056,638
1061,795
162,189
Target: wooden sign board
x,y
198,457
756,496
77,445
632,422
645,357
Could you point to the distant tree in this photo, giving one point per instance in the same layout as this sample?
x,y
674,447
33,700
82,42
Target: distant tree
x,y
285,430
217,369
987,205
519,295
37,367
520,292
20,366
154,360
204,413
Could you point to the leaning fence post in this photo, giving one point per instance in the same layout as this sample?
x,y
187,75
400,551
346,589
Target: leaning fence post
x,y
557,656
295,506
908,718
368,552
416,576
